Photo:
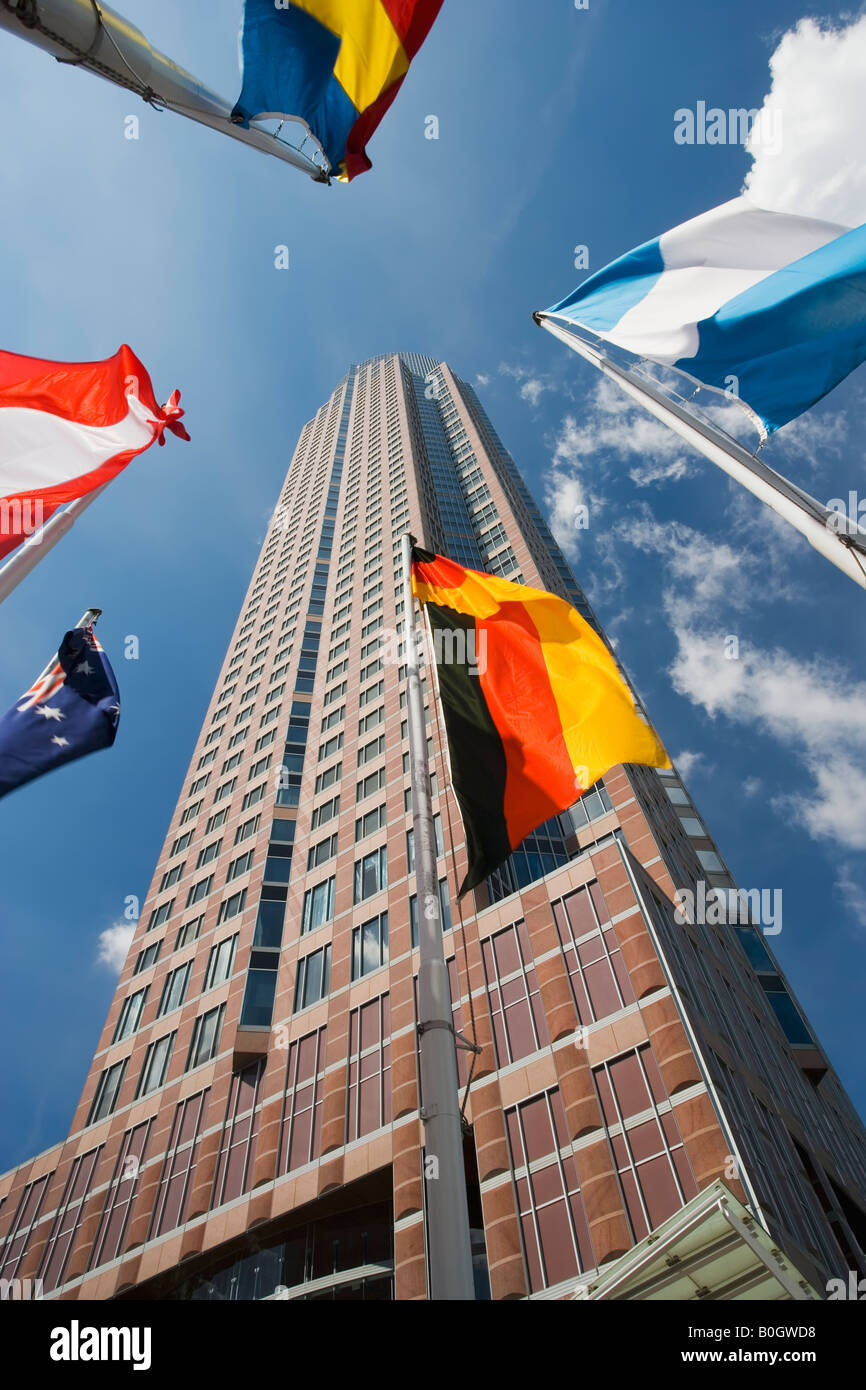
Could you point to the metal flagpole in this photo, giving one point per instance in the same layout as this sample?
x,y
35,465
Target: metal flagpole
x,y
449,1248
37,546
85,34
87,619
810,517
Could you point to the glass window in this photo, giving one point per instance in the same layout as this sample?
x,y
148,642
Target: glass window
x,y
156,1060
595,802
239,866
246,829
653,1168
786,1011
220,962
370,822
710,861
410,842
445,904
313,979
253,797
754,949
371,750
107,1091
278,868
174,989
160,914
599,979
371,720
519,1022
322,814
368,1093
370,946
374,782
444,911
553,1221
269,924
258,1005
208,853
320,853
289,793
190,931
147,957
199,890
205,1037
318,905
330,746
371,874
677,795
328,778
130,1015
692,826
232,906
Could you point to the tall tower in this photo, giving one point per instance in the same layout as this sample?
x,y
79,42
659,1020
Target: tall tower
x,y
250,1126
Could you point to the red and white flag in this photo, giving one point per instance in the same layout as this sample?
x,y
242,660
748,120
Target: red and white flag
x,y
66,428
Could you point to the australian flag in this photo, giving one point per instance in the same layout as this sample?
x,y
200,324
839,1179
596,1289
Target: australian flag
x,y
71,710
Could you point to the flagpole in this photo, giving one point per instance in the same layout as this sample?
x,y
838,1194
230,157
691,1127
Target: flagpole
x,y
85,34
810,517
449,1251
37,546
87,619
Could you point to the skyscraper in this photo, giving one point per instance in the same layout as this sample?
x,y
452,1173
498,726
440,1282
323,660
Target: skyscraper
x,y
250,1125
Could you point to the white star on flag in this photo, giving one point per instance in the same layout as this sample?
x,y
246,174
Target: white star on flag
x,y
61,742
50,712
85,667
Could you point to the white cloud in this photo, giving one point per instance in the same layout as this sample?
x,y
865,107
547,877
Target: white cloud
x,y
752,786
812,437
852,893
532,384
569,505
707,570
611,429
482,379
645,474
533,389
113,946
687,762
614,423
818,87
813,709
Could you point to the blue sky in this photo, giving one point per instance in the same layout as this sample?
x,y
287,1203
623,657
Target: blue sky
x,y
556,129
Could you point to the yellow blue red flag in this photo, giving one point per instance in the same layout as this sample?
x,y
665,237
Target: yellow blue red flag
x,y
334,64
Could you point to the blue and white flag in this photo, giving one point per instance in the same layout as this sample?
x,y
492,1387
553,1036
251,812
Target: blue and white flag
x,y
765,306
71,710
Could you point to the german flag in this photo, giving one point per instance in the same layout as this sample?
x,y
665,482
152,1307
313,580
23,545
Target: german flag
x,y
535,708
